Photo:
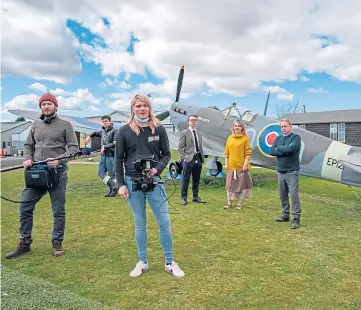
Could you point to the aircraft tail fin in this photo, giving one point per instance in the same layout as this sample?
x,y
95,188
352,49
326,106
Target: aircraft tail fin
x,y
351,161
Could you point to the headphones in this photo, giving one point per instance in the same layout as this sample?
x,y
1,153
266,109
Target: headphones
x,y
46,120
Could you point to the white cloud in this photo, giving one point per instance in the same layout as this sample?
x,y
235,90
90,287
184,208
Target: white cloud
x,y
39,87
36,42
109,82
80,99
282,94
60,92
288,97
304,78
319,90
23,102
124,85
120,104
123,100
94,108
233,50
161,101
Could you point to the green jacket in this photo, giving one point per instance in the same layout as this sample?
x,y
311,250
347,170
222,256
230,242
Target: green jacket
x,y
287,150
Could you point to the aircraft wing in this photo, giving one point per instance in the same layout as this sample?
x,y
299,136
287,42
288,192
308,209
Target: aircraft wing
x,y
210,149
352,162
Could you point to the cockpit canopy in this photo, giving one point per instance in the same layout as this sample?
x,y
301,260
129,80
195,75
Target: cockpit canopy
x,y
238,112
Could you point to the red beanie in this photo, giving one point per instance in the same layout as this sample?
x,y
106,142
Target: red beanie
x,y
48,97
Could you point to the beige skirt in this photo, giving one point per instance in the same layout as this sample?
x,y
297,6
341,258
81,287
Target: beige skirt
x,y
239,184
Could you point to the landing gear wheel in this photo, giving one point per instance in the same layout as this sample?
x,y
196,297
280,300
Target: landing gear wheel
x,y
214,172
173,170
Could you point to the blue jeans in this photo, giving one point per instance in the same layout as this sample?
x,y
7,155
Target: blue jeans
x,y
159,205
106,164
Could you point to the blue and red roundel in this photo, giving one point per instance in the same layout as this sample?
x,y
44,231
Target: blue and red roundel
x,y
266,138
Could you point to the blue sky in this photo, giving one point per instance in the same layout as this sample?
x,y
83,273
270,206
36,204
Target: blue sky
x,y
94,63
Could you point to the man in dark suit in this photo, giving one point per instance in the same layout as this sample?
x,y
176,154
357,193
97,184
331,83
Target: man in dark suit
x,y
191,153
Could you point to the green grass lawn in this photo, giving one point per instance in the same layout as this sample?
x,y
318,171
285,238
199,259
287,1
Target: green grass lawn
x,y
232,259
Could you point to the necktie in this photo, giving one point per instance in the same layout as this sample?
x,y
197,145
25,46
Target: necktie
x,y
196,141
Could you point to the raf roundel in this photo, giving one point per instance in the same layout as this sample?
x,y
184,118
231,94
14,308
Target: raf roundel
x,y
266,138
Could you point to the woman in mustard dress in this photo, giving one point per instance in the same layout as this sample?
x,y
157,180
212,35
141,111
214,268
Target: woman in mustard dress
x,y
237,154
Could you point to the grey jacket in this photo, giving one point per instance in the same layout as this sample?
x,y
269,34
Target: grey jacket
x,y
108,139
186,147
50,138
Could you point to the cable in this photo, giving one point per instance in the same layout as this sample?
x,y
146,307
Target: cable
x,y
34,199
164,193
20,201
77,155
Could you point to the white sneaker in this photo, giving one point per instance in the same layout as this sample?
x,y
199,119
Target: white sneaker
x,y
139,269
174,270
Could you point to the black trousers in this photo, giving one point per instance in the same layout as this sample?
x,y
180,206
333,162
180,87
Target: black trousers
x,y
193,168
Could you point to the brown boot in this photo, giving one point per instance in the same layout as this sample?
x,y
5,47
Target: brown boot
x,y
20,250
57,249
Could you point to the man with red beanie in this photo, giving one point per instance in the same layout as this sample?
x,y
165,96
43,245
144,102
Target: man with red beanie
x,y
49,137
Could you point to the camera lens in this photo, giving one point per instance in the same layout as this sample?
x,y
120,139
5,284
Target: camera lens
x,y
144,187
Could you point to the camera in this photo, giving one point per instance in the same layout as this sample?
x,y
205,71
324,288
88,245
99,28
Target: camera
x,y
141,164
144,183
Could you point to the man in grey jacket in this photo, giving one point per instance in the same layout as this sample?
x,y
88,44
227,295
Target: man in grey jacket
x,y
49,137
190,149
106,169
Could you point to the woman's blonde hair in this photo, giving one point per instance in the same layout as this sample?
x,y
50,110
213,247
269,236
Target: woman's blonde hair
x,y
239,122
153,121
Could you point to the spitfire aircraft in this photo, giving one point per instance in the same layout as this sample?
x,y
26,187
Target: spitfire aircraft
x,y
320,157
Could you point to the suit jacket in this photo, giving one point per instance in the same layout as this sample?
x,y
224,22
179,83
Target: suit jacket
x,y
186,147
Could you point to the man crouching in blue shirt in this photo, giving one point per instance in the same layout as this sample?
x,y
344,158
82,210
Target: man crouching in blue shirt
x,y
287,150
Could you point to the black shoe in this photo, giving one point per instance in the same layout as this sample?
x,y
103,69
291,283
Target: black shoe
x,y
113,188
283,219
295,224
183,201
57,249
197,199
20,250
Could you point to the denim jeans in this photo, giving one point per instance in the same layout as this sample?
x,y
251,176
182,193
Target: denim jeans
x,y
159,205
288,184
57,196
106,164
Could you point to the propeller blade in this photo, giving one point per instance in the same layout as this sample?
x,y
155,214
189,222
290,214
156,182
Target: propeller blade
x,y
266,107
162,116
180,82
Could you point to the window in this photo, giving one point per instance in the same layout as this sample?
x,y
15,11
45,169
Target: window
x,y
234,112
226,111
337,132
341,132
303,126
